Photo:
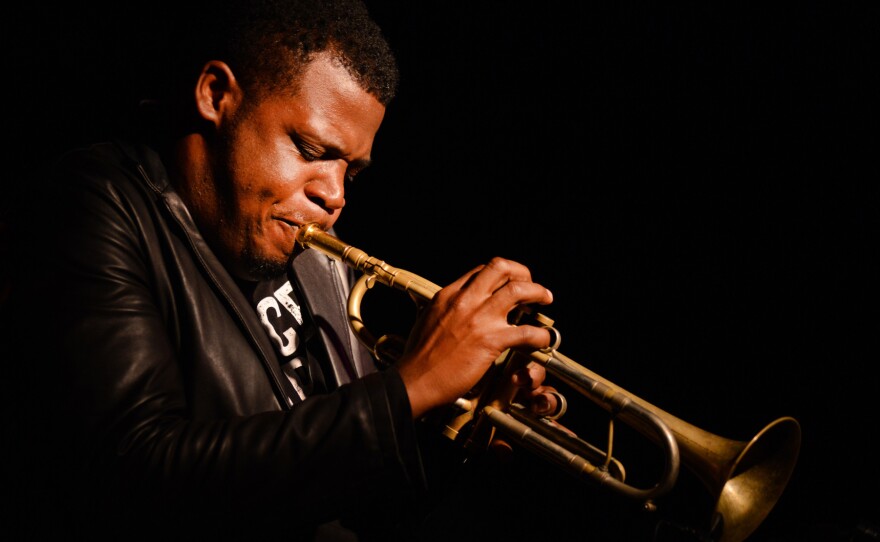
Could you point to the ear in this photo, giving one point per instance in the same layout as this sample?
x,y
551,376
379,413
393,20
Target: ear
x,y
217,93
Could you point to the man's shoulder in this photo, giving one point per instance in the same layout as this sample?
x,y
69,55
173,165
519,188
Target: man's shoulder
x,y
116,170
112,159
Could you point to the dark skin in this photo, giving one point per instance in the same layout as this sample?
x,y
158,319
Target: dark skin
x,y
265,164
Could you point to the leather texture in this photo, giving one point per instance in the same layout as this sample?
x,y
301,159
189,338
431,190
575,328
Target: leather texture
x,y
145,385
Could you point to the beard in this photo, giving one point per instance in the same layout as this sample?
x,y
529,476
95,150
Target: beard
x,y
259,267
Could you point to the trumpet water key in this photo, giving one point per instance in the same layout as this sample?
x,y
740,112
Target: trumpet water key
x,y
745,478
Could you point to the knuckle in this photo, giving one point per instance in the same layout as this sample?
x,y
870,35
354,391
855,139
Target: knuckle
x,y
499,264
516,289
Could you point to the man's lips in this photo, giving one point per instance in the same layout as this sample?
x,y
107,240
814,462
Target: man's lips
x,y
289,229
296,224
291,223
285,234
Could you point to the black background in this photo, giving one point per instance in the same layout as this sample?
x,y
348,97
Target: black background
x,y
697,185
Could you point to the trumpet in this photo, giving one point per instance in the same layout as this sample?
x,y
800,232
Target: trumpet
x,y
745,478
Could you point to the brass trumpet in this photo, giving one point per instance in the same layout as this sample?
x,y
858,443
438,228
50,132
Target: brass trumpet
x,y
746,478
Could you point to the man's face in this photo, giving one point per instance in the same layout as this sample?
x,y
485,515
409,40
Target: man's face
x,y
282,163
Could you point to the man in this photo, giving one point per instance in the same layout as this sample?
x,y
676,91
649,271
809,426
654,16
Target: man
x,y
187,370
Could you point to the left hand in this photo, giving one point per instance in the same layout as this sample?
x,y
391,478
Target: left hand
x,y
541,400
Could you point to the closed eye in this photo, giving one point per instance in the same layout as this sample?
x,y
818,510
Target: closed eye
x,y
310,152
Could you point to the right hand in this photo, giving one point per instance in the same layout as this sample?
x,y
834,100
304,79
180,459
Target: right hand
x,y
464,328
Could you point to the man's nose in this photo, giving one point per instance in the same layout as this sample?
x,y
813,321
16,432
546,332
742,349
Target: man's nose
x,y
328,187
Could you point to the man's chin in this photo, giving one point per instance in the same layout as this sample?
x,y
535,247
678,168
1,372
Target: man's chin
x,y
259,267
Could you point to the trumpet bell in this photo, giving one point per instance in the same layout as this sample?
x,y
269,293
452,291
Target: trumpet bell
x,y
755,480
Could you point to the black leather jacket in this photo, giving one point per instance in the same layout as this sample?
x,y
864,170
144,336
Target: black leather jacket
x,y
149,394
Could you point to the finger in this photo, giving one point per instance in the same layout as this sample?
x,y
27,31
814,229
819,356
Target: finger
x,y
498,272
501,449
515,293
525,337
529,377
510,279
549,403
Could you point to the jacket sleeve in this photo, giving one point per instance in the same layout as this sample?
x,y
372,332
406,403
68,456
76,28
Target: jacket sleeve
x,y
110,383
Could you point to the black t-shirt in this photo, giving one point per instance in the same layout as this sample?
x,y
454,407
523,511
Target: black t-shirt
x,y
290,328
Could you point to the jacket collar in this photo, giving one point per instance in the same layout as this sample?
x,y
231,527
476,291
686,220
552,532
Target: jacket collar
x,y
321,283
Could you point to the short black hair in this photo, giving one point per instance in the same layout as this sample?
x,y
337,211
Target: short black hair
x,y
267,43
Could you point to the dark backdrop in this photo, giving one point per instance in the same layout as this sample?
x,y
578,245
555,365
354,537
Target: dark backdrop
x,y
697,185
